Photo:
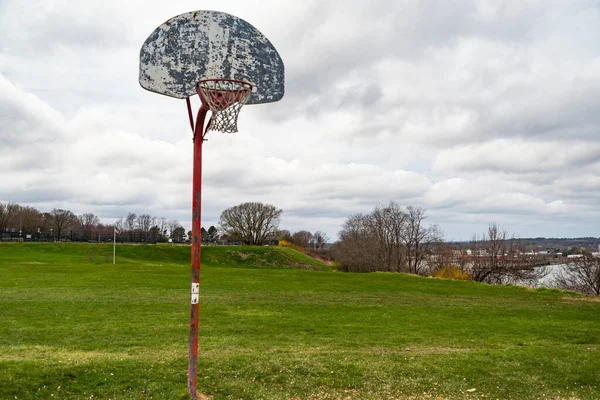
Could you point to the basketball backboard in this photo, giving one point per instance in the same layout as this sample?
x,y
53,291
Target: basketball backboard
x,y
201,45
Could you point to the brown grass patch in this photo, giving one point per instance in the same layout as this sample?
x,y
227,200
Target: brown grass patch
x,y
593,299
77,357
353,394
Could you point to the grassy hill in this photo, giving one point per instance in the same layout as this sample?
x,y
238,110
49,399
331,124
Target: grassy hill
x,y
212,256
276,324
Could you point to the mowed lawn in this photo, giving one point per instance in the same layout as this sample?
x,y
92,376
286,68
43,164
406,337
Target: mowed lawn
x,y
74,326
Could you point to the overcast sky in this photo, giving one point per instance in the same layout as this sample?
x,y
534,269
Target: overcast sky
x,y
478,111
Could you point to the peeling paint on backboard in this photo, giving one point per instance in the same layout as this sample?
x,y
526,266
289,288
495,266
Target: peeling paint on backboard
x,y
210,44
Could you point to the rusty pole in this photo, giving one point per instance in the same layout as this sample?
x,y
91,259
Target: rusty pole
x,y
196,244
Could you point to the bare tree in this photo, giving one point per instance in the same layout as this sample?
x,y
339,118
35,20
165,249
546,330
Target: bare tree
x,y
62,220
144,222
119,225
373,242
419,238
88,222
7,213
253,223
46,222
30,219
581,274
496,258
391,238
302,238
388,224
130,221
319,240
356,251
163,226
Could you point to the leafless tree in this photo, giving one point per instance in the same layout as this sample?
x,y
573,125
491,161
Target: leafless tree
x,y
46,222
130,221
7,213
88,220
253,223
319,240
581,274
356,251
144,222
62,220
419,238
163,226
391,238
30,219
302,238
388,225
496,258
119,225
88,223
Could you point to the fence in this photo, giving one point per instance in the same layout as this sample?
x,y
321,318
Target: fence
x,y
78,236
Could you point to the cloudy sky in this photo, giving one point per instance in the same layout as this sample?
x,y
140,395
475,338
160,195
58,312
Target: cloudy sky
x,y
478,111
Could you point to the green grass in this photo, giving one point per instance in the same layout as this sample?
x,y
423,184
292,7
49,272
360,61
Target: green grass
x,y
73,326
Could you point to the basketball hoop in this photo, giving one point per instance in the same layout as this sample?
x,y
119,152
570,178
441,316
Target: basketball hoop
x,y
224,98
181,58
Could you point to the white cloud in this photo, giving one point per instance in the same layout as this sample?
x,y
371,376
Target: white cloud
x,y
518,155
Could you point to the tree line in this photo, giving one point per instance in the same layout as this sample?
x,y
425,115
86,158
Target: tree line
x,y
247,223
393,238
150,228
25,222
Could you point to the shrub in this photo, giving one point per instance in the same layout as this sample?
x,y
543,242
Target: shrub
x,y
452,273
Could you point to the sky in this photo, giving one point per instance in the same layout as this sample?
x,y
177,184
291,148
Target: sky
x,y
477,111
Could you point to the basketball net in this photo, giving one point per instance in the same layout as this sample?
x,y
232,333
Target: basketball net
x,y
224,98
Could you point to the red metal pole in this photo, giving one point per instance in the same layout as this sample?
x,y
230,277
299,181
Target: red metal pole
x,y
196,244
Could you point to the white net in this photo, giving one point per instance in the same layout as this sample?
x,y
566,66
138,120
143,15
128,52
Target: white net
x,y
225,99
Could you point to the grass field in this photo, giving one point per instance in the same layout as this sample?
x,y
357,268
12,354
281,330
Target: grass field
x,y
73,326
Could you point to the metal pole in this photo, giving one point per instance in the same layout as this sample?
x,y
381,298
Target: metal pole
x,y
114,245
196,243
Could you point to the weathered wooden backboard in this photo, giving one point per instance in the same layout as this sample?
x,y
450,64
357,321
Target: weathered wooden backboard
x,y
205,45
